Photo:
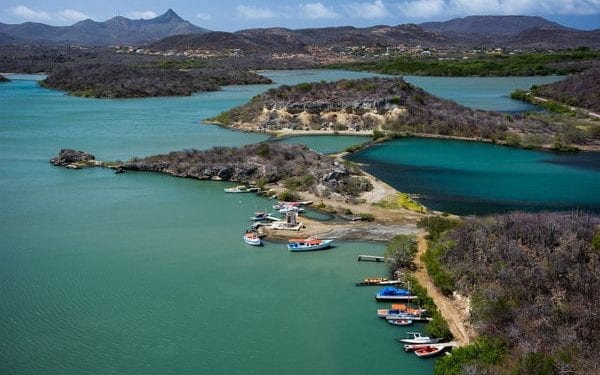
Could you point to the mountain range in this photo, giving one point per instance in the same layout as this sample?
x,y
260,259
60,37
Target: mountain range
x,y
115,31
169,31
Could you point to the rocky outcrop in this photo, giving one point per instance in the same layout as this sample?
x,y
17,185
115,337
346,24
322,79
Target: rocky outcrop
x,y
294,166
70,158
3,79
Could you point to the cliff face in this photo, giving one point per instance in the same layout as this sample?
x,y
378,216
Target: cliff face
x,y
367,104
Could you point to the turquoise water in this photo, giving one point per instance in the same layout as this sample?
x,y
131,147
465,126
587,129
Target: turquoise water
x,y
488,93
327,143
142,273
474,178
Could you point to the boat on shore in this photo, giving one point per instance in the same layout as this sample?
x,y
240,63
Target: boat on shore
x,y
241,189
281,205
308,244
417,338
390,293
252,238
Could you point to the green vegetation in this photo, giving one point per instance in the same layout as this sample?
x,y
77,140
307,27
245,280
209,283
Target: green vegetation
x,y
295,183
402,250
437,327
436,226
378,134
401,200
354,148
481,65
287,196
439,275
484,353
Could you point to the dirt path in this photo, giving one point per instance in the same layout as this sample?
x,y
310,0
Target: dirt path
x,y
455,313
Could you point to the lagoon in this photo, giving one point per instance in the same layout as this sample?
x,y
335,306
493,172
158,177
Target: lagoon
x,y
142,273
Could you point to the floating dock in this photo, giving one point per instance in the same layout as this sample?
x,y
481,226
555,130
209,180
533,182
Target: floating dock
x,y
372,258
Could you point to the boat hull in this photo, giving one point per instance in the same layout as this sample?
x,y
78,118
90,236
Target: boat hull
x,y
299,248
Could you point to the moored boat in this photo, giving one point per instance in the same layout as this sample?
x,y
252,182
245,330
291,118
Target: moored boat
x,y
264,216
287,209
252,238
400,309
400,322
429,351
371,281
417,338
308,244
390,293
241,189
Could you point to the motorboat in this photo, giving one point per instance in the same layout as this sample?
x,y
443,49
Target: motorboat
x,y
308,244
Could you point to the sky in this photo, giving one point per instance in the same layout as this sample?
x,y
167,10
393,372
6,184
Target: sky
x,y
242,14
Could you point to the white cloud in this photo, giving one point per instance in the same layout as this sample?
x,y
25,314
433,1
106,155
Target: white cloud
x,y
254,13
367,10
144,14
29,14
65,15
204,16
72,15
317,11
432,8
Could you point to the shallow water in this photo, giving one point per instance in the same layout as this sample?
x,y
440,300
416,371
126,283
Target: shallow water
x,y
144,273
475,178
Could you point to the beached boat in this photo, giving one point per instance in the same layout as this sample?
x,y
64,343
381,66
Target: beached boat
x,y
429,351
241,189
371,281
390,293
252,238
281,205
400,322
264,216
417,338
308,244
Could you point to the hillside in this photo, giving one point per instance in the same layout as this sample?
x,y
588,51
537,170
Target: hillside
x,y
542,38
127,81
387,105
115,31
579,90
534,283
490,25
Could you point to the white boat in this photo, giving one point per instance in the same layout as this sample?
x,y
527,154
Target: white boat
x,y
252,238
264,216
400,322
281,205
287,209
429,351
417,338
241,189
282,225
308,244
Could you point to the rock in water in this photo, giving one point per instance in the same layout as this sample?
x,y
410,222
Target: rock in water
x,y
72,158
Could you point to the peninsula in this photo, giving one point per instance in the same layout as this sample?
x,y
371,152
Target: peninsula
x,y
391,106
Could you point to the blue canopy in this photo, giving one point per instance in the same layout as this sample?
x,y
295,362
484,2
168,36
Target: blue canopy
x,y
392,291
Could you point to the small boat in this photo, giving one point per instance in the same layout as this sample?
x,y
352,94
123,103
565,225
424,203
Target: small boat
x,y
308,244
241,189
264,216
417,338
399,309
371,281
390,293
281,205
252,238
428,351
400,322
287,209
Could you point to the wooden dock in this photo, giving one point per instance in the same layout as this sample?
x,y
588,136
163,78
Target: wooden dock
x,y
372,258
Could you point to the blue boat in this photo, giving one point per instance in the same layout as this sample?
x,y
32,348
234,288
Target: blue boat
x,y
390,293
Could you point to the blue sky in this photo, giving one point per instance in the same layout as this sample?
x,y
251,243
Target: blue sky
x,y
236,15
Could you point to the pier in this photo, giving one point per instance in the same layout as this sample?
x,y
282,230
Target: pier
x,y
372,258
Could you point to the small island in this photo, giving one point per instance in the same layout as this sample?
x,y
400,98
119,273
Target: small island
x,y
393,107
112,80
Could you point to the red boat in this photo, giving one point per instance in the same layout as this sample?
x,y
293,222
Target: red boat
x,y
429,351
